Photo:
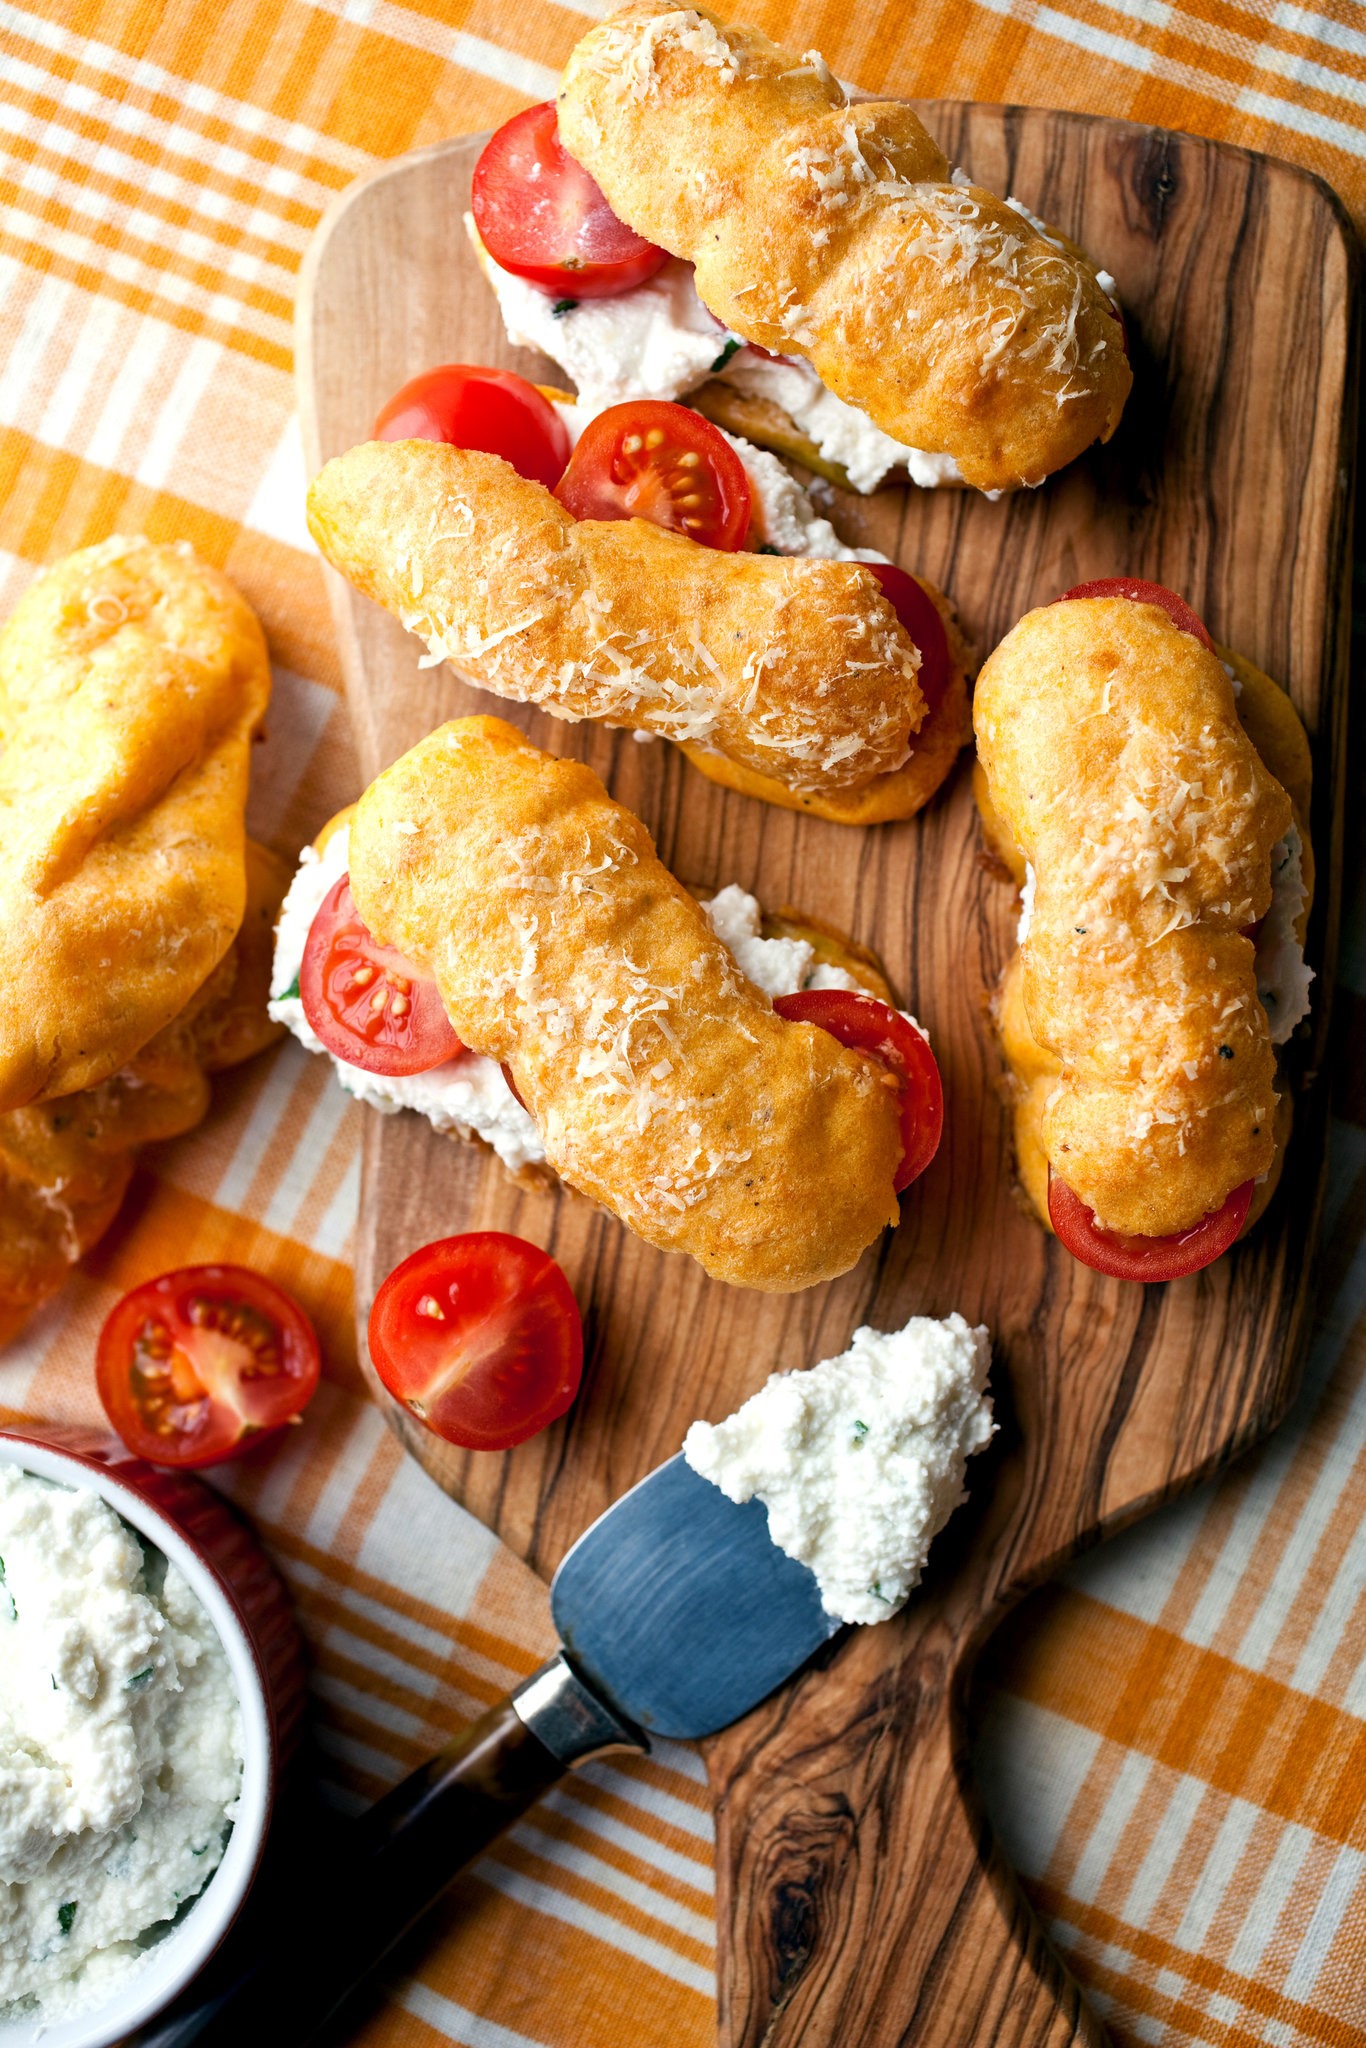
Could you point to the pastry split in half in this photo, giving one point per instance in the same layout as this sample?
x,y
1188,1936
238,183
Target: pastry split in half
x,y
792,679
604,1025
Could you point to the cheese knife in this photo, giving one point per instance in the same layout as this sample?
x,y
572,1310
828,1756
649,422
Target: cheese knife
x,y
676,1614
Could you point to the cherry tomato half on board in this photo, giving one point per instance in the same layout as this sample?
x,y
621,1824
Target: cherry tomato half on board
x,y
1133,587
480,1337
1145,1258
369,1004
542,217
493,410
197,1365
651,459
871,1026
919,614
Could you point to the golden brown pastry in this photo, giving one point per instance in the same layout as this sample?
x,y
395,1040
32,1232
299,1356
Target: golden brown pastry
x,y
836,232
1118,765
789,677
662,1081
65,1162
132,679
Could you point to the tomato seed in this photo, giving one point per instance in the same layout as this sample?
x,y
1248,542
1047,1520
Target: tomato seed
x,y
362,977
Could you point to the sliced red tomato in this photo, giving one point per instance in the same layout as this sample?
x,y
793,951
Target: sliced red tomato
x,y
1145,1258
513,1090
493,410
196,1365
866,1024
919,614
651,459
1176,608
369,1004
480,1337
542,217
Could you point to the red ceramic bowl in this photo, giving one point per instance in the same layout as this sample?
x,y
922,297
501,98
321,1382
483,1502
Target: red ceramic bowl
x,y
250,1609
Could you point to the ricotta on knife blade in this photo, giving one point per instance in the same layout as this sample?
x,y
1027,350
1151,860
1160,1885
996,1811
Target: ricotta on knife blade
x,y
859,1460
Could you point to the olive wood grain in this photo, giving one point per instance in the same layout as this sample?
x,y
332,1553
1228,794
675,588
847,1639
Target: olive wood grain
x,y
862,1899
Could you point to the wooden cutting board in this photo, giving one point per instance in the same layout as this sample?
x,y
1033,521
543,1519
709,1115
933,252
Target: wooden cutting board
x,y
862,1900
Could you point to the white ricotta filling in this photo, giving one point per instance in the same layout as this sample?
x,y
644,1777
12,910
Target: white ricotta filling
x,y
1283,975
780,967
659,341
1031,883
860,1461
468,1095
120,1747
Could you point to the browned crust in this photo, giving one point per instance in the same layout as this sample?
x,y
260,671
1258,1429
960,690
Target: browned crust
x,y
662,1081
834,231
888,798
1274,726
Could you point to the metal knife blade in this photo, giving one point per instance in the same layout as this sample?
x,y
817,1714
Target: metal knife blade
x,y
678,1608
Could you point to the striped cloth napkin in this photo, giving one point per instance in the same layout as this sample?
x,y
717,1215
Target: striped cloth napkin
x,y
1173,1738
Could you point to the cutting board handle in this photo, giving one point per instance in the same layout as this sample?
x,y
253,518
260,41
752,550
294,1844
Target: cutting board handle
x,y
837,1939
862,1897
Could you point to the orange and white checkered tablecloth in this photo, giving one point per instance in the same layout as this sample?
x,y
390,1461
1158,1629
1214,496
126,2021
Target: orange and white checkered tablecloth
x,y
1174,1736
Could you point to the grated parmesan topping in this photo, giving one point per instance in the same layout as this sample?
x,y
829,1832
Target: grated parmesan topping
x,y
862,215
1179,848
625,676
636,50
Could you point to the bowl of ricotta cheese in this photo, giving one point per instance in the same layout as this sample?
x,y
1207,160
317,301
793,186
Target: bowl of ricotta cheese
x,y
150,1680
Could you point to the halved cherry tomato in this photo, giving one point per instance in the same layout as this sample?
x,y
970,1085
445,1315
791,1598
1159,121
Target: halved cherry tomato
x,y
1145,1258
875,1027
494,410
513,1090
651,459
919,614
480,1337
368,1003
198,1364
542,217
1176,608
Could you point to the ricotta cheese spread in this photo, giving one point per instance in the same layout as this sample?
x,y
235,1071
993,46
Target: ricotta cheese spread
x,y
659,341
860,1461
468,1096
120,1748
1283,975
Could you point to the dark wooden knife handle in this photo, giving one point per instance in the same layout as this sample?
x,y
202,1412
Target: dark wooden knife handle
x,y
346,1907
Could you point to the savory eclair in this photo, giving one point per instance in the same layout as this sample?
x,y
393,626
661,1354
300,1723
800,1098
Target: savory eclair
x,y
1166,879
132,680
836,234
134,913
661,1080
794,678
